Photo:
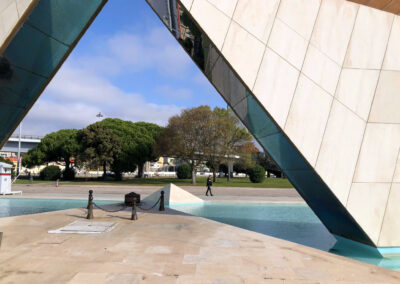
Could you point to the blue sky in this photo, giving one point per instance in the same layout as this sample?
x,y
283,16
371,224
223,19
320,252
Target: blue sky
x,y
126,66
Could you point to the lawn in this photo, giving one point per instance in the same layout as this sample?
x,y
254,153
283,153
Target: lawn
x,y
201,181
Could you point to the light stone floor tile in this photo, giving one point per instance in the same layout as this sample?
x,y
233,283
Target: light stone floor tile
x,y
201,251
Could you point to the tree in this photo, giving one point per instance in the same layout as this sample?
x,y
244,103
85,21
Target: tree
x,y
137,140
100,145
144,150
231,135
246,161
264,159
187,136
61,145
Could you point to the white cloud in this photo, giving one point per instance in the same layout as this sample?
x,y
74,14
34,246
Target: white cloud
x,y
75,96
82,88
174,93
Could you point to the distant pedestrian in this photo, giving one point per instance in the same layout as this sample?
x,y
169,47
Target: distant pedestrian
x,y
57,181
209,184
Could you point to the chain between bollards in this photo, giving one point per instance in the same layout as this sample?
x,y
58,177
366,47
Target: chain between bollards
x,y
90,205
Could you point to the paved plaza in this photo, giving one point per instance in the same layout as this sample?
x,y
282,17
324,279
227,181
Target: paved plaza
x,y
165,248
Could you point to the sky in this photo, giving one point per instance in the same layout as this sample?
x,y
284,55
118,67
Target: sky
x,y
126,66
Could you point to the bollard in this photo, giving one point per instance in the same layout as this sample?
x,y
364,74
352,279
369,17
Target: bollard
x,y
134,214
162,201
90,205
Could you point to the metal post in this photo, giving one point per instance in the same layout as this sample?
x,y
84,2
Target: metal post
x,y
134,214
19,148
162,208
90,205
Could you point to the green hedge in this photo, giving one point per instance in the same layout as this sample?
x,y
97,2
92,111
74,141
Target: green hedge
x,y
257,174
50,173
184,171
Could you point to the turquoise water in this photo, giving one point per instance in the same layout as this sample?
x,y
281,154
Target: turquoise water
x,y
23,206
292,222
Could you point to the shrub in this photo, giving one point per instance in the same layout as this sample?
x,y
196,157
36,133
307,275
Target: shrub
x,y
50,173
68,174
184,171
257,174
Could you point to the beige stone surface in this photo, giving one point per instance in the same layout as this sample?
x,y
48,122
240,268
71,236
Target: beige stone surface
x,y
300,15
367,202
338,18
369,39
305,126
379,153
390,234
356,90
244,52
212,20
385,107
172,195
165,248
288,44
275,85
392,59
187,3
339,150
321,69
11,12
226,6
256,16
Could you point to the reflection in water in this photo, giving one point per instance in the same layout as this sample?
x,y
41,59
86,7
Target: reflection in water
x,y
292,222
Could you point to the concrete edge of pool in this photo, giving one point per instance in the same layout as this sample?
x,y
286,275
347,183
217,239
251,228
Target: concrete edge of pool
x,y
165,248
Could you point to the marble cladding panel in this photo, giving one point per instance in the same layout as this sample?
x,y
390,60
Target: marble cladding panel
x,y
396,176
275,85
369,39
187,4
305,126
288,44
10,12
379,151
392,58
8,18
226,6
22,5
356,90
337,17
339,150
256,16
390,234
300,15
321,69
367,203
211,20
244,52
385,107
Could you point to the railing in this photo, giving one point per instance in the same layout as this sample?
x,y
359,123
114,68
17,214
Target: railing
x,y
27,137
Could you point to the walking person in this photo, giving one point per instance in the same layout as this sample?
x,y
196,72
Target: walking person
x,y
209,184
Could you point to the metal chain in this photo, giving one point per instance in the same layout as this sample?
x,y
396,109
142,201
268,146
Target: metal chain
x,y
111,211
146,209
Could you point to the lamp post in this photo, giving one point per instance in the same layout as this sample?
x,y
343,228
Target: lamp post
x,y
19,148
99,115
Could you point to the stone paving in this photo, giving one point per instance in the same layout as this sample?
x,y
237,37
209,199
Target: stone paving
x,y
115,192
165,248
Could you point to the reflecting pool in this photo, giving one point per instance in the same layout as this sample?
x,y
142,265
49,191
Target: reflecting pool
x,y
293,222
